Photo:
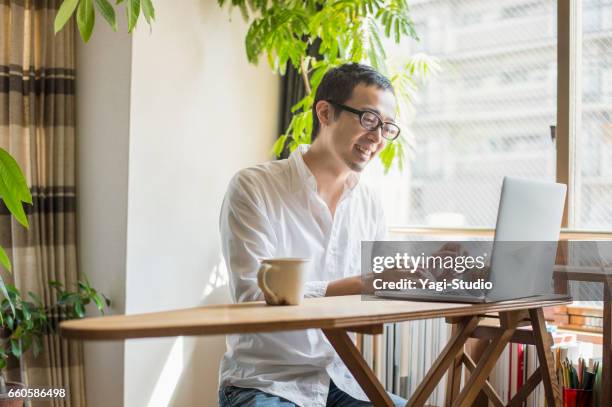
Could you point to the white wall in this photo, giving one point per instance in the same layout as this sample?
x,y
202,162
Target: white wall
x,y
199,112
165,118
103,109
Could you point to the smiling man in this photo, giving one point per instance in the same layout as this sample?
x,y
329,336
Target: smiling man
x,y
311,205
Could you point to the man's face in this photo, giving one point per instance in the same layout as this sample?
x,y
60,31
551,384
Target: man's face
x,y
350,142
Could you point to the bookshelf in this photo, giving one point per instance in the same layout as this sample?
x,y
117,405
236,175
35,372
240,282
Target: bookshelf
x,y
401,355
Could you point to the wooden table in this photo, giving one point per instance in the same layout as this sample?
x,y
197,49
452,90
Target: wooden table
x,y
337,316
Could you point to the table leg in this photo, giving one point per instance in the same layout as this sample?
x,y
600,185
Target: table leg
x,y
521,395
483,369
543,343
368,381
443,362
489,391
355,363
453,380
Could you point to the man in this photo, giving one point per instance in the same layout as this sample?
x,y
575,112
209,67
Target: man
x,y
311,205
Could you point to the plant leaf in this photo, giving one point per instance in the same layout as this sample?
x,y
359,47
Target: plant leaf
x,y
13,187
18,332
99,302
64,13
86,18
279,145
5,292
78,308
387,155
133,11
83,286
108,12
4,260
26,313
13,205
16,348
106,300
148,10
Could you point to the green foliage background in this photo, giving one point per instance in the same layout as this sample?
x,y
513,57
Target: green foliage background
x,y
282,31
347,31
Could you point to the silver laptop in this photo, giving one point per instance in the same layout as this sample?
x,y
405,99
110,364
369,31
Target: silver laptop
x,y
529,211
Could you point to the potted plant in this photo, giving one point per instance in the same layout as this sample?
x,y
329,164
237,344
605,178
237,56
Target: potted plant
x,y
24,321
23,324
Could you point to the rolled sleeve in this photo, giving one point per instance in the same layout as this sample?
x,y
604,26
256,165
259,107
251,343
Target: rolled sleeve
x,y
315,289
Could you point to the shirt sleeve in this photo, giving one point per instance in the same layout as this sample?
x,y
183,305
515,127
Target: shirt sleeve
x,y
247,236
315,289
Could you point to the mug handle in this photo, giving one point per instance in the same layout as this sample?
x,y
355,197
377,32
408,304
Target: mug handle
x,y
261,280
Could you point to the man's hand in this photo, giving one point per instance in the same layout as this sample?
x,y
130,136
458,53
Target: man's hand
x,y
345,286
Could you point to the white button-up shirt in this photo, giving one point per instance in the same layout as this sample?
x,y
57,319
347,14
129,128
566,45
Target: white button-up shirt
x,y
273,210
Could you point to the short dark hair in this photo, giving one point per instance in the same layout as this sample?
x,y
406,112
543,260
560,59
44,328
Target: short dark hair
x,y
338,84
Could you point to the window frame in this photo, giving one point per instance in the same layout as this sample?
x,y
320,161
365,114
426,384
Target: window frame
x,y
568,100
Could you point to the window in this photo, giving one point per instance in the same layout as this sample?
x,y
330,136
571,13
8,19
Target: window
x,y
489,109
485,114
592,201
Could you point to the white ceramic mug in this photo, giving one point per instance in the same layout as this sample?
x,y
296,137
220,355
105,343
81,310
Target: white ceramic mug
x,y
282,280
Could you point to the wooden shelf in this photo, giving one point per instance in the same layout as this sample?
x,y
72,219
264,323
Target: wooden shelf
x,y
584,336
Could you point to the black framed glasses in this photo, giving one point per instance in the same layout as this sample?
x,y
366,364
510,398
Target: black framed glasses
x,y
371,121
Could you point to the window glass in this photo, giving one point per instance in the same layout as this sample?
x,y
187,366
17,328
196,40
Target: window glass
x,y
484,114
593,154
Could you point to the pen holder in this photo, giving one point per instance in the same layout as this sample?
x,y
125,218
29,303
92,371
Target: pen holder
x,y
577,397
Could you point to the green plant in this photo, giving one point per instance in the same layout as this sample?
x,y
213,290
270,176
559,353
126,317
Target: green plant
x,y
23,325
288,32
24,321
86,15
342,31
71,304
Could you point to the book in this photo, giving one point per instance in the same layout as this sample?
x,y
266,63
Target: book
x,y
389,337
397,340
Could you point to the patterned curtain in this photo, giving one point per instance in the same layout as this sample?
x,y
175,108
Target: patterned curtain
x,y
37,126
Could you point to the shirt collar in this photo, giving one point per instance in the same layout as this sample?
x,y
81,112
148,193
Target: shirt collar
x,y
303,176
